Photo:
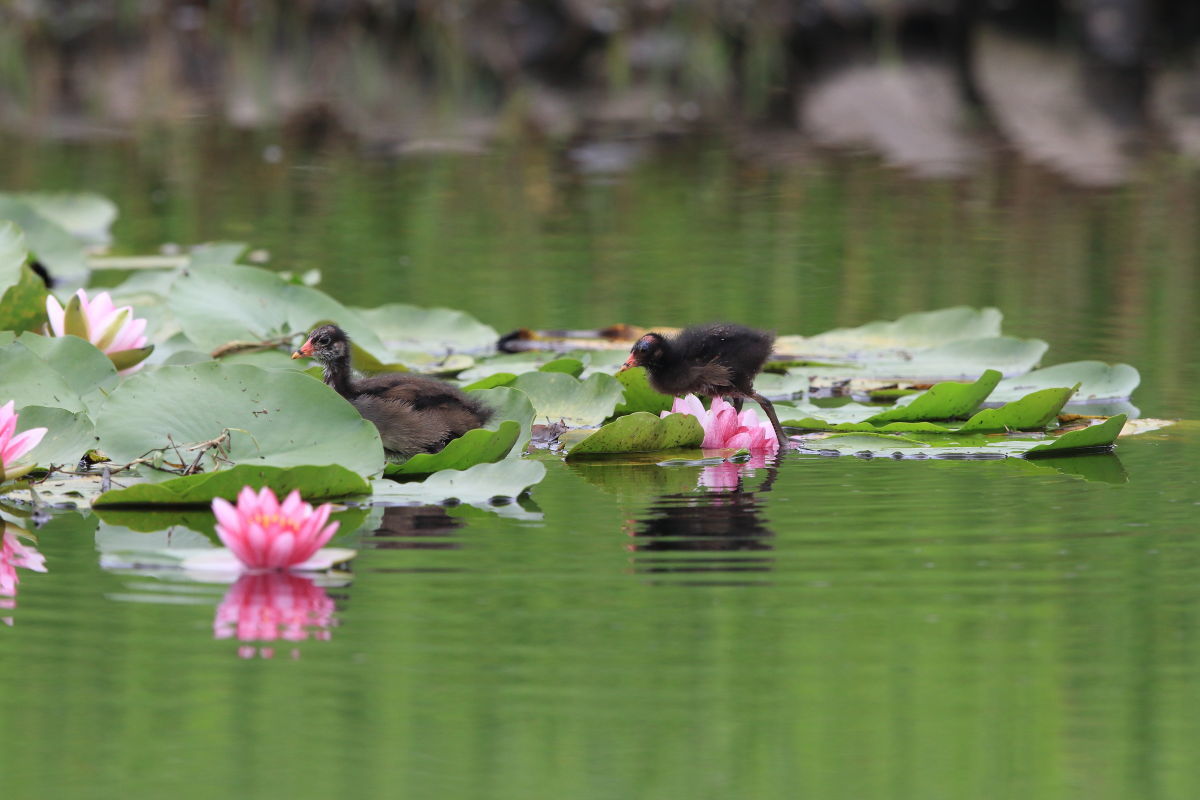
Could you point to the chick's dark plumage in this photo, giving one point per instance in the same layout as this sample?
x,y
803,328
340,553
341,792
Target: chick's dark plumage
x,y
713,360
414,413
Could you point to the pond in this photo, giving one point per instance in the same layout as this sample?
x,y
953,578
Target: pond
x,y
830,627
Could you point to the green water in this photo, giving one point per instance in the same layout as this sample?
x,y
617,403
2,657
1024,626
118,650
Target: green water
x,y
833,628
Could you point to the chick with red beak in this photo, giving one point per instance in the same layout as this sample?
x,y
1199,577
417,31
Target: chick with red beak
x,y
714,360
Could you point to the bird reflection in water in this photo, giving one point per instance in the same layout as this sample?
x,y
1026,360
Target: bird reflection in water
x,y
415,528
273,607
718,532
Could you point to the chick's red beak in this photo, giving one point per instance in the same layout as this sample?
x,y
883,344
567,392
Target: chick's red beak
x,y
305,350
629,362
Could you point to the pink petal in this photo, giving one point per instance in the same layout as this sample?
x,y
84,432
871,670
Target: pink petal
x,y
130,336
281,552
21,444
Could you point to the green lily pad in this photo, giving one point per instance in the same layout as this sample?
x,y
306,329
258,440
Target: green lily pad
x,y
478,484
557,396
1031,413
640,432
314,482
480,446
1095,436
639,395
943,401
22,293
29,380
277,418
68,435
509,404
568,366
85,215
222,304
429,330
1096,380
89,372
910,332
57,249
491,381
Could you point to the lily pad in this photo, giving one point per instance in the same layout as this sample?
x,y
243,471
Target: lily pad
x,y
910,332
639,395
569,366
943,401
1094,438
491,382
223,304
1097,381
1089,438
86,216
641,432
68,435
480,446
314,482
57,249
278,418
429,330
29,380
509,404
22,293
87,370
478,484
557,396
1031,413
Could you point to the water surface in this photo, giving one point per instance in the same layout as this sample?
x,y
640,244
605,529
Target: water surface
x,y
833,627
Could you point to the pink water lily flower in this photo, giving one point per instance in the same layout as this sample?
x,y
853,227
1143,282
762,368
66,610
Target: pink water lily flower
x,y
725,428
115,331
13,445
14,554
269,606
266,534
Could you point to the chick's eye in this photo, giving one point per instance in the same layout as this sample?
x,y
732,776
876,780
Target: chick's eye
x,y
322,340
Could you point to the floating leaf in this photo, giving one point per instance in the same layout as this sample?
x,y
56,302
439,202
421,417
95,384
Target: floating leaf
x,y
314,483
1031,413
430,330
87,371
908,333
270,417
86,216
639,395
1097,381
943,401
508,404
22,293
68,435
1092,437
641,432
29,380
478,484
490,382
480,446
58,250
556,396
569,366
223,304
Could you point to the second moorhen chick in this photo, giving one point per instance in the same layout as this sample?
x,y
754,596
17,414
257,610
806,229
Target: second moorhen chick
x,y
714,360
414,413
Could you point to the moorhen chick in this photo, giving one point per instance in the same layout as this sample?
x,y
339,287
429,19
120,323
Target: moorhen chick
x,y
714,360
414,413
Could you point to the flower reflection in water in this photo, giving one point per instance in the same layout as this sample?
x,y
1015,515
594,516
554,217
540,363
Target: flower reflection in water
x,y
273,606
13,554
727,477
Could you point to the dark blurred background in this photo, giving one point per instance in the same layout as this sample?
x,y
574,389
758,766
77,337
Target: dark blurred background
x,y
1082,86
